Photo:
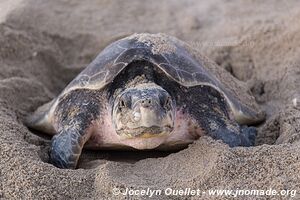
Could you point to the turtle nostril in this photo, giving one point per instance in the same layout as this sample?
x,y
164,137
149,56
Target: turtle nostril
x,y
146,102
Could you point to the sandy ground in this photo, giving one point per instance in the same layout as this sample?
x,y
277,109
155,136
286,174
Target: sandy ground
x,y
44,44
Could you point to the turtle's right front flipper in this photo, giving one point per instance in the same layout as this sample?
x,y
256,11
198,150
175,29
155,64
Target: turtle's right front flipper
x,y
74,117
66,148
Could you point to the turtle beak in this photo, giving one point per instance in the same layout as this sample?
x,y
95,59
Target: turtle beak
x,y
147,132
147,112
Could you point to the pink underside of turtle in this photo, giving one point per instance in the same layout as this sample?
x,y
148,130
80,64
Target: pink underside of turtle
x,y
104,136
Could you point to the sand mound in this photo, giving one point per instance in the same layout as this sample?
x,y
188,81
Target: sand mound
x,y
44,44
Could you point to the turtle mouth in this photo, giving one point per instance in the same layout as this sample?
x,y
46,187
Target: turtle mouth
x,y
145,132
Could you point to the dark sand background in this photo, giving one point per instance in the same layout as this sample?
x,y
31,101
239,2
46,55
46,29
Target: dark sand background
x,y
44,44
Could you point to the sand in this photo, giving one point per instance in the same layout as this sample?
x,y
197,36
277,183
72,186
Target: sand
x,y
44,44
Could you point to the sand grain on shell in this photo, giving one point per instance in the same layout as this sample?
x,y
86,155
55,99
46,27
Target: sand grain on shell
x,y
157,42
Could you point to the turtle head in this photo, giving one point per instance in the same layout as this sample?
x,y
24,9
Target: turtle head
x,y
143,111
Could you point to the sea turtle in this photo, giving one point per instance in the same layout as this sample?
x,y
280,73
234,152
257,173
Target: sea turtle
x,y
146,91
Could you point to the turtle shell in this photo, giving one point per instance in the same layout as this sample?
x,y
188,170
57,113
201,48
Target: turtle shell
x,y
178,61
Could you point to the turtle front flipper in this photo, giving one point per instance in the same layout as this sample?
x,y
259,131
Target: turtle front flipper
x,y
211,110
245,136
66,148
73,119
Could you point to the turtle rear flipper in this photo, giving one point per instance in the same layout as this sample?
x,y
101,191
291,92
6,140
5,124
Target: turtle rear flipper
x,y
41,119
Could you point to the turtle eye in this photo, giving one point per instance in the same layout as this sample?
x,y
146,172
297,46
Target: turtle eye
x,y
124,102
168,103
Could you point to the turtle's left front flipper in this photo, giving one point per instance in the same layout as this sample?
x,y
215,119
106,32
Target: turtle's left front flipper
x,y
74,117
243,137
215,116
